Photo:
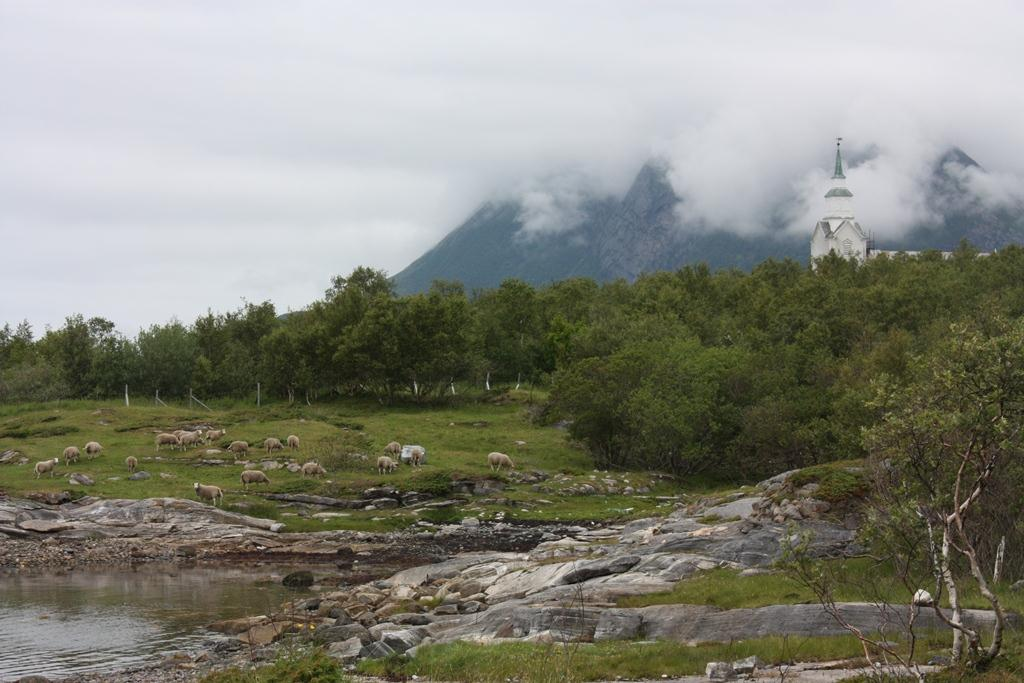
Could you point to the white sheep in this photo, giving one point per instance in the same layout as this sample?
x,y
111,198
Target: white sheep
x,y
167,440
239,447
416,456
293,442
499,460
272,444
394,448
313,469
215,434
132,462
46,466
71,454
253,477
386,464
93,449
189,439
212,493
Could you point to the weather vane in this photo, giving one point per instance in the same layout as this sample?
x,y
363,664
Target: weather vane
x,y
838,140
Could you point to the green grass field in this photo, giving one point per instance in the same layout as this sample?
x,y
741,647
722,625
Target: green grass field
x,y
457,438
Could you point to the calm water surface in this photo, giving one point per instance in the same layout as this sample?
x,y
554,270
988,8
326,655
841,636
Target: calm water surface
x,y
62,624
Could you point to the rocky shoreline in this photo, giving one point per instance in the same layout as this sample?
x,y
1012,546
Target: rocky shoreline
x,y
483,582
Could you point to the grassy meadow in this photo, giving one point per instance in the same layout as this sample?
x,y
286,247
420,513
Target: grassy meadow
x,y
345,437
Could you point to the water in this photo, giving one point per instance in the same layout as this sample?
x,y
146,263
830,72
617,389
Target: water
x,y
62,624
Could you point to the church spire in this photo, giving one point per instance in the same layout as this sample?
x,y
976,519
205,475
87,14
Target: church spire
x,y
839,161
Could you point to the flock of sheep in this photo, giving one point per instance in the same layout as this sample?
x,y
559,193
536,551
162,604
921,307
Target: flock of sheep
x,y
183,439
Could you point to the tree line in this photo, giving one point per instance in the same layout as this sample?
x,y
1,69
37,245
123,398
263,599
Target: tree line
x,y
681,371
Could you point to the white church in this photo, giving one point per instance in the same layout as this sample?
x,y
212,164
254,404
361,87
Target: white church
x,y
838,231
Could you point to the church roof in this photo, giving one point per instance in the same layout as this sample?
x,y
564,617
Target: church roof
x,y
838,192
839,164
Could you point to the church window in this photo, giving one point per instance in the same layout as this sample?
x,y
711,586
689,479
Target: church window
x,y
847,248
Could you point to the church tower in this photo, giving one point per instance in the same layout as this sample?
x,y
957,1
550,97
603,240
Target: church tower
x,y
837,231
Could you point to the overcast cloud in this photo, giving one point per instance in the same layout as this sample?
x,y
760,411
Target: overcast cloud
x,y
159,159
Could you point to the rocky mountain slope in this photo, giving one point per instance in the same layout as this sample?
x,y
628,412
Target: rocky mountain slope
x,y
638,233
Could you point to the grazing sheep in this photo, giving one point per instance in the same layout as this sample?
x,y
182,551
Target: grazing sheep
x,y
253,477
93,448
132,463
498,460
272,445
394,448
71,454
293,442
167,440
204,492
416,456
214,434
239,447
313,469
386,464
189,439
46,466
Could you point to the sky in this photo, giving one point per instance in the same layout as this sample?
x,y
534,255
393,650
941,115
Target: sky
x,y
159,160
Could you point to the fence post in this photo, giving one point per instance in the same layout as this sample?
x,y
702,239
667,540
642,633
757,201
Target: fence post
x,y
487,381
126,403
257,394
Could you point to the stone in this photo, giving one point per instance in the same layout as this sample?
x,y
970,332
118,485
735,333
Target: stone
x,y
748,665
81,479
618,625
293,467
376,650
470,522
1017,586
336,633
410,619
384,503
347,651
33,679
379,492
299,579
719,671
449,608
167,475
472,607
49,497
44,526
591,569
141,475
401,640
265,634
233,627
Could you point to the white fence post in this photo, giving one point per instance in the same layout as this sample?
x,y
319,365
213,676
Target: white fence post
x,y
126,403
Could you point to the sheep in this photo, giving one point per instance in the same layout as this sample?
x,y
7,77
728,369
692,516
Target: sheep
x,y
167,440
313,469
497,460
71,454
189,439
386,464
239,447
272,444
394,448
93,448
215,434
253,477
416,456
204,492
132,463
293,442
46,466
